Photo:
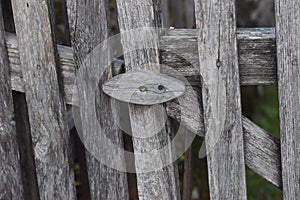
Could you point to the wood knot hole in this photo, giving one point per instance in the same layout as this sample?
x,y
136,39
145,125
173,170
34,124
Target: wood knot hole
x,y
161,87
295,62
27,5
143,88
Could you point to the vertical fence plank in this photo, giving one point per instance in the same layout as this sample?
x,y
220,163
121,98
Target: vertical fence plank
x,y
10,171
221,98
105,182
162,183
288,57
46,108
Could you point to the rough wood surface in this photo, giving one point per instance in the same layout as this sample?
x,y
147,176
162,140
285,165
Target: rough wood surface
x,y
159,184
257,60
88,28
10,170
288,54
46,108
262,150
144,88
218,55
190,119
256,49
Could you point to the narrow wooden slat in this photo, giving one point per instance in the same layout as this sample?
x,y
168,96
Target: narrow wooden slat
x,y
104,182
46,108
10,170
218,55
162,183
288,58
262,152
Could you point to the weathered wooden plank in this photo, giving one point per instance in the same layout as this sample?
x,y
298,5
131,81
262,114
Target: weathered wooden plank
x,y
10,171
88,28
161,183
256,48
288,58
257,61
218,55
262,150
46,108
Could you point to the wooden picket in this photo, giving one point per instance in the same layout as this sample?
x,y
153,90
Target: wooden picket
x,y
161,183
288,58
10,169
217,47
44,97
216,58
104,182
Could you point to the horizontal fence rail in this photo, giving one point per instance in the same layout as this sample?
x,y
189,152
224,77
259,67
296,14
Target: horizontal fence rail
x,y
257,58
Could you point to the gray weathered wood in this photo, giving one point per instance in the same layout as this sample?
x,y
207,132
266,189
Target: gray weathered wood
x,y
88,28
10,170
288,58
190,119
218,55
159,184
257,60
256,47
262,150
46,108
144,88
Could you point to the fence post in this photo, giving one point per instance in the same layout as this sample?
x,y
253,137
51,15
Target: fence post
x,y
104,182
162,183
288,59
10,171
218,56
44,96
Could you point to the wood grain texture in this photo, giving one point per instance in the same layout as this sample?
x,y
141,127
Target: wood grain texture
x,y
162,183
218,55
256,49
262,150
46,108
257,58
10,170
190,119
88,28
288,58
144,88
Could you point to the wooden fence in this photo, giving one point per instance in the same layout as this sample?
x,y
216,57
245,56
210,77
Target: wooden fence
x,y
224,56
